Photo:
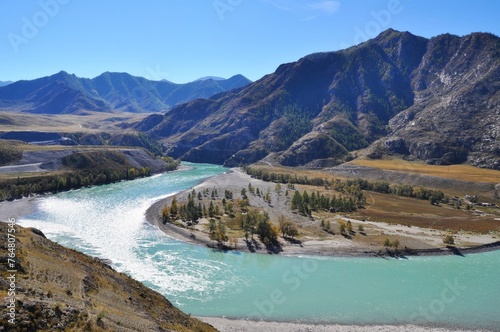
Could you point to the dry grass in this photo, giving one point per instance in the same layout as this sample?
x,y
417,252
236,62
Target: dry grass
x,y
458,172
94,122
310,173
412,212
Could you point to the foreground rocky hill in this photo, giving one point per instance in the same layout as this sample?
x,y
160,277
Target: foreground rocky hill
x,y
433,99
59,289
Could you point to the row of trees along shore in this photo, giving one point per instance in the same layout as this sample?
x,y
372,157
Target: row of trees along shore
x,y
73,178
26,186
352,187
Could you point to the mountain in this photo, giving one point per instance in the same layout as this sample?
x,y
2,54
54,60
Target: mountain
x,y
60,289
63,93
215,78
4,83
433,99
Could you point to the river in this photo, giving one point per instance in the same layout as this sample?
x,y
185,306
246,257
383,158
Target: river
x,y
108,221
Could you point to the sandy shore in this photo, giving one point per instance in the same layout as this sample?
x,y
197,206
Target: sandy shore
x,y
17,208
336,246
240,325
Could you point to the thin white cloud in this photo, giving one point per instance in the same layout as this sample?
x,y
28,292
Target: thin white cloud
x,y
311,9
280,4
327,7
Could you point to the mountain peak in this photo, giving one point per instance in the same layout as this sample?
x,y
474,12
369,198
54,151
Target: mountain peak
x,y
397,93
205,78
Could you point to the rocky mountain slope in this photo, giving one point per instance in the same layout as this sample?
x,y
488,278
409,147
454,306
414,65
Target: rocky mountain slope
x,y
59,289
433,99
63,93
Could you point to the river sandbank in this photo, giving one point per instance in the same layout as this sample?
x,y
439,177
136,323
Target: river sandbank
x,y
424,241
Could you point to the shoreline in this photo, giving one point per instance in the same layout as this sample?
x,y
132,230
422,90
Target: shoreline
x,y
225,324
332,248
18,208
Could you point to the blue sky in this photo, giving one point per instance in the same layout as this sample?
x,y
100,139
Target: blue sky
x,y
182,40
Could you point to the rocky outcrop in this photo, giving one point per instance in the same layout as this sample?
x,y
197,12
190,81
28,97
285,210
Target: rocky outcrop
x,y
312,146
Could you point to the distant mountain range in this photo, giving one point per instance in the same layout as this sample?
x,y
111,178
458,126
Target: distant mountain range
x,y
4,83
434,99
215,78
63,93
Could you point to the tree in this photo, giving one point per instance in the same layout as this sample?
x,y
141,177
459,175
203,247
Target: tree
x,y
326,226
165,214
349,226
250,188
199,195
218,232
287,228
268,198
433,200
361,229
387,242
296,200
211,210
449,240
265,230
173,207
342,227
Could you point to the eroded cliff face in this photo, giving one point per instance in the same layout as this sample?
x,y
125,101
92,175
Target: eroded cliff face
x,y
456,114
434,99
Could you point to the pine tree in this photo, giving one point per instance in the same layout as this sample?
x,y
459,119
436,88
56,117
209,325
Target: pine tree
x,y
173,208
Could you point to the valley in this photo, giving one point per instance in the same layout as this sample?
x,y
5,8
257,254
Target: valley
x,y
379,160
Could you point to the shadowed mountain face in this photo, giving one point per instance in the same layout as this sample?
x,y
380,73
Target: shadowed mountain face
x,y
63,93
434,99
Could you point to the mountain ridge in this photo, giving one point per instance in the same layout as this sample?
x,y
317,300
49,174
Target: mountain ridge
x,y
64,93
363,97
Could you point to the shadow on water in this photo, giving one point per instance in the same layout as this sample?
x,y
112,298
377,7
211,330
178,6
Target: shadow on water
x,y
455,251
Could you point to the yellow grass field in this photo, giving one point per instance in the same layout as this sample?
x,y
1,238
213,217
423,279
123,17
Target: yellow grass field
x,y
458,172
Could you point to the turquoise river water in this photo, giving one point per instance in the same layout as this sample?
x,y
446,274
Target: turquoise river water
x,y
108,222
